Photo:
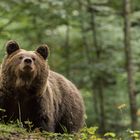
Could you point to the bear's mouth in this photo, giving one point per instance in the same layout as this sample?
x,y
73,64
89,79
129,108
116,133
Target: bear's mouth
x,y
26,73
27,68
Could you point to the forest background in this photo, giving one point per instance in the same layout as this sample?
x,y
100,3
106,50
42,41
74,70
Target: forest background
x,y
94,43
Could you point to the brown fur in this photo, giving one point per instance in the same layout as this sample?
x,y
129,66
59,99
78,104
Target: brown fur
x,y
38,94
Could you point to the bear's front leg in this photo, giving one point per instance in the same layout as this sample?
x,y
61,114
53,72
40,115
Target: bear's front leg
x,y
44,123
2,110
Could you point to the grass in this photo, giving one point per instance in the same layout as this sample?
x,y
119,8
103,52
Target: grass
x,y
16,132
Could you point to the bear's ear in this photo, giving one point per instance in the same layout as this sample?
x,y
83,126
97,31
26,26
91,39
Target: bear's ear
x,y
11,46
43,50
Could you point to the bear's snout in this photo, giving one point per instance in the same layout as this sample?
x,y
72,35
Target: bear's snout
x,y
27,60
27,64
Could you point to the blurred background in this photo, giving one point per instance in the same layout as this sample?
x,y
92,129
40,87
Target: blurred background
x,y
94,43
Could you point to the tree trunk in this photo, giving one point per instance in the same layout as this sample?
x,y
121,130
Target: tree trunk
x,y
102,112
129,65
98,59
66,48
89,59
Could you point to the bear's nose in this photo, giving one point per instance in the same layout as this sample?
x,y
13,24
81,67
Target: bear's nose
x,y
28,60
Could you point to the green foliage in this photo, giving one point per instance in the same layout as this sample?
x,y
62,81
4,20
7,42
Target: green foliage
x,y
110,134
14,131
29,125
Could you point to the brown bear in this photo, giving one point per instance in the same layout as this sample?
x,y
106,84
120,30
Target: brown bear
x,y
30,91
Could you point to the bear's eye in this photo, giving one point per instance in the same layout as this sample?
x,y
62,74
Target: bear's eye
x,y
21,57
33,58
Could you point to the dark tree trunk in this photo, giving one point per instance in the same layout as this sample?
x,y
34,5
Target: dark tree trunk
x,y
67,50
102,112
129,65
100,87
87,54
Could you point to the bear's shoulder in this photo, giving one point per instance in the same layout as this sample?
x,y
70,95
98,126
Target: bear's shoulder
x,y
59,82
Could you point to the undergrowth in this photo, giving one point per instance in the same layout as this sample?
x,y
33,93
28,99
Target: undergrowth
x,y
14,132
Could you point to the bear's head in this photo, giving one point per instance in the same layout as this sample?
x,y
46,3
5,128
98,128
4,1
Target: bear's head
x,y
21,68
